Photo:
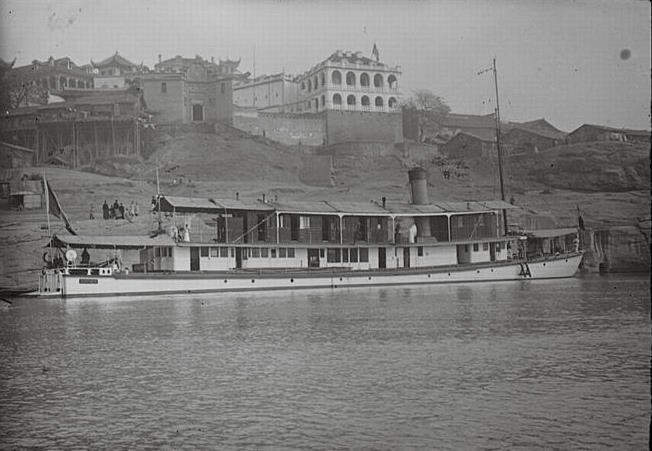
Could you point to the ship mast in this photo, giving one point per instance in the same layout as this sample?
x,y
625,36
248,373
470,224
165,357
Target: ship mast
x,y
499,150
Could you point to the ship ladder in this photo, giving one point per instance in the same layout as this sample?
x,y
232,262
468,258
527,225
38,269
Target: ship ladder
x,y
525,270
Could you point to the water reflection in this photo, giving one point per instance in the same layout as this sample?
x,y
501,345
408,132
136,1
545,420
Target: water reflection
x,y
535,364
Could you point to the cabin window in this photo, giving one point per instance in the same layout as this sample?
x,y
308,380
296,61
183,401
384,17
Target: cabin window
x,y
498,247
164,87
420,251
345,255
475,247
264,252
304,222
215,252
282,252
255,252
466,248
273,253
157,252
290,252
224,252
353,255
333,256
364,255
321,253
485,246
203,252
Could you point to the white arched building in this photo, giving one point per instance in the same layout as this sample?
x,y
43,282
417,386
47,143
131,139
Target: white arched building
x,y
350,82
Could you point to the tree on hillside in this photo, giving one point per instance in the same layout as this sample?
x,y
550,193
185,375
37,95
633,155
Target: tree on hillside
x,y
421,111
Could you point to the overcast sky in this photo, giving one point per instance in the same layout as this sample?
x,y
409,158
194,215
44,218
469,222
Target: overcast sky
x,y
572,62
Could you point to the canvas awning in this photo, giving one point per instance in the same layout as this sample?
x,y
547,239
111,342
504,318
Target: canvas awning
x,y
111,242
551,233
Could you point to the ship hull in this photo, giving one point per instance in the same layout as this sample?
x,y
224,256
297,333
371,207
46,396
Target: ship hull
x,y
72,286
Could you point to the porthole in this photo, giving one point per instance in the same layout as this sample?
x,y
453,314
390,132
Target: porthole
x,y
369,278
544,264
428,276
225,281
291,280
340,279
253,280
478,271
449,274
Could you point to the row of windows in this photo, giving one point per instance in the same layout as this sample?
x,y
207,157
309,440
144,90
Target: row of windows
x,y
252,252
51,83
352,255
485,247
336,79
351,100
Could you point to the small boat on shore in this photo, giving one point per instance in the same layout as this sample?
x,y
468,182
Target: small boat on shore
x,y
273,245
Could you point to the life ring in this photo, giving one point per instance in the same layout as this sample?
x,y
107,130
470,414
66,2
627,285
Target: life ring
x,y
45,258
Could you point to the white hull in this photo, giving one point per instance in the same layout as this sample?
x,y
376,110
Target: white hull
x,y
197,282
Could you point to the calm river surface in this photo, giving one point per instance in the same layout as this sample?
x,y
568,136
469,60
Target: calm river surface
x,y
561,364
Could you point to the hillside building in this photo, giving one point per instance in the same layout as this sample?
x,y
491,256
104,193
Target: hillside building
x,y
269,93
190,90
346,98
591,132
52,75
114,71
351,82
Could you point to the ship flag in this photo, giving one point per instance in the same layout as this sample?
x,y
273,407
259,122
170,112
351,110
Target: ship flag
x,y
53,206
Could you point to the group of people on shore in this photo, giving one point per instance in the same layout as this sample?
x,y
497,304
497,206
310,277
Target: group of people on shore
x,y
117,210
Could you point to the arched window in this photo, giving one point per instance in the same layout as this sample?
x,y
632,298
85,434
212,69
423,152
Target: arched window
x,y
303,85
63,82
364,101
337,99
314,82
378,81
337,78
323,100
350,79
392,82
350,100
53,83
364,80
316,104
379,101
322,77
73,83
309,85
391,102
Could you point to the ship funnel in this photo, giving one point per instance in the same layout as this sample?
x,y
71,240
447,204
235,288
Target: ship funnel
x,y
418,185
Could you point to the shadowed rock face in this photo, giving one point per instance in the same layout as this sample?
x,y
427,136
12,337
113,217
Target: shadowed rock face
x,y
595,166
618,249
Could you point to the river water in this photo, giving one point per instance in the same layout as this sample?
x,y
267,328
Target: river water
x,y
561,364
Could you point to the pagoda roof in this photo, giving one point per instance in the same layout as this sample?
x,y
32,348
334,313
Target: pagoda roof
x,y
115,59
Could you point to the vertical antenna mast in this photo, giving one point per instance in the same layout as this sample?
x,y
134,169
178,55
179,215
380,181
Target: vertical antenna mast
x,y
499,150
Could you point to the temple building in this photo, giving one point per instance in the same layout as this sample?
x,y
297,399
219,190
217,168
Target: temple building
x,y
113,71
190,90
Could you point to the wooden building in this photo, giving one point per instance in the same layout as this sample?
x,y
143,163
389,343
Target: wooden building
x,y
590,132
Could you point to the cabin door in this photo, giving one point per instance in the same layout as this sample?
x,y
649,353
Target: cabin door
x,y
406,257
194,259
313,258
238,257
492,251
382,258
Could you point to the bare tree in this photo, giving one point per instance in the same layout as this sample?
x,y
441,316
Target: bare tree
x,y
422,110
